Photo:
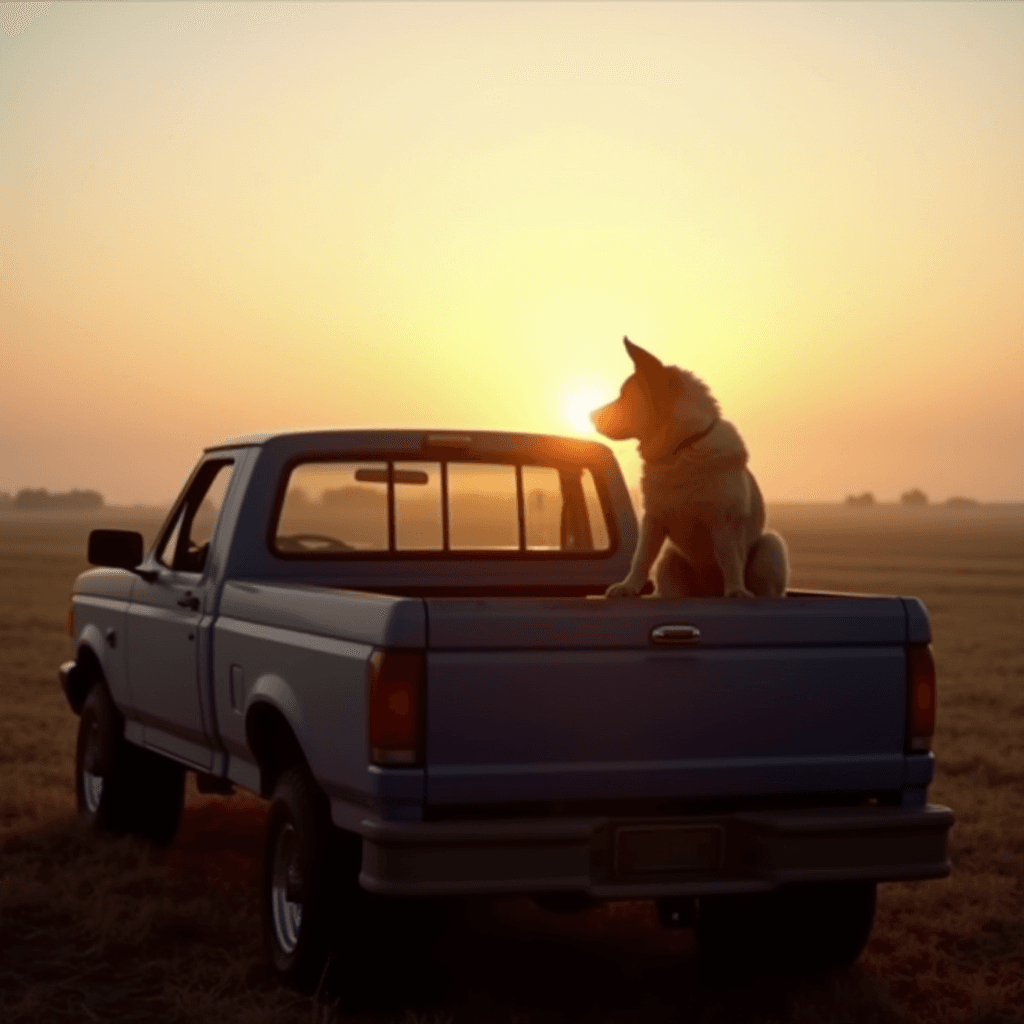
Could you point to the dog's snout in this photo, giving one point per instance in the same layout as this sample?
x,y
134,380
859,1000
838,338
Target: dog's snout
x,y
611,421
604,418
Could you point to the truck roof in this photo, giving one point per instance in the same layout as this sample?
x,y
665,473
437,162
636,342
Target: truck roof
x,y
434,440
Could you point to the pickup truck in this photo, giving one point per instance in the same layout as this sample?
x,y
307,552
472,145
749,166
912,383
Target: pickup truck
x,y
401,639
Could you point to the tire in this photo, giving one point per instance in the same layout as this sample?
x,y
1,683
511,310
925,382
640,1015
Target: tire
x,y
120,788
731,936
160,795
798,929
310,883
825,925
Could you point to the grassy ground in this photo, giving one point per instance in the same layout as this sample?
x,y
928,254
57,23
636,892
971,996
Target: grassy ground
x,y
113,931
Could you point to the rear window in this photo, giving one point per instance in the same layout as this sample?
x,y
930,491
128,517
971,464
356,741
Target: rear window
x,y
347,508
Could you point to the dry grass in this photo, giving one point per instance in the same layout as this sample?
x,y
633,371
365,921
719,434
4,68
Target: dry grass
x,y
113,931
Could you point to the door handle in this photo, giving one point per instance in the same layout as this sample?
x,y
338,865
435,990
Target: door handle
x,y
189,601
675,634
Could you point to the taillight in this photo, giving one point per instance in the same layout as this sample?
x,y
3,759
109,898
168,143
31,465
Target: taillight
x,y
920,697
396,707
71,621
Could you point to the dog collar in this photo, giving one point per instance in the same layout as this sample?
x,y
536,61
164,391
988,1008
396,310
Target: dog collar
x,y
692,439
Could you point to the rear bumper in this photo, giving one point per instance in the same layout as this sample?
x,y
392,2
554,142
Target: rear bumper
x,y
728,853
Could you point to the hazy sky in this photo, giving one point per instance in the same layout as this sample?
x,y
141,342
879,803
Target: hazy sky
x,y
218,219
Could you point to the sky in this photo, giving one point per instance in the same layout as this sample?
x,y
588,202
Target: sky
x,y
217,219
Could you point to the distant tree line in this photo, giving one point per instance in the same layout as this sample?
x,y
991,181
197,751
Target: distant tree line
x,y
913,498
865,500
41,500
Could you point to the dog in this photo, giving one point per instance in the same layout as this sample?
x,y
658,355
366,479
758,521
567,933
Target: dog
x,y
703,510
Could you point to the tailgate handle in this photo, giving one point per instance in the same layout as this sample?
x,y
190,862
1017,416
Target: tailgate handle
x,y
675,634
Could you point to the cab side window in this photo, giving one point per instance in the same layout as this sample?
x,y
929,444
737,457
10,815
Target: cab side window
x,y
186,542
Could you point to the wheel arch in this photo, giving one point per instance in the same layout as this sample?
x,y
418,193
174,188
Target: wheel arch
x,y
274,744
88,671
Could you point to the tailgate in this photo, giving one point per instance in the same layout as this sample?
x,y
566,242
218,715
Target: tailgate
x,y
575,699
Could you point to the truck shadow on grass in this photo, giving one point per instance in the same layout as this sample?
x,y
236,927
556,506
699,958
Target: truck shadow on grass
x,y
110,929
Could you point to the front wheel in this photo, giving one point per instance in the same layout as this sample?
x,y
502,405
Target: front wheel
x,y
119,787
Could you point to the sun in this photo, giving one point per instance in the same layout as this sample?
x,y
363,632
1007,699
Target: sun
x,y
578,406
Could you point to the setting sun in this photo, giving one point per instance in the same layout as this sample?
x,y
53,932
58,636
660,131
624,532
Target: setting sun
x,y
580,404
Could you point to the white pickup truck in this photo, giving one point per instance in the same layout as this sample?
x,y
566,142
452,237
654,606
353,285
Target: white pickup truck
x,y
400,638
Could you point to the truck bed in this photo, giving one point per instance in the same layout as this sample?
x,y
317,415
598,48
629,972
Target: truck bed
x,y
531,700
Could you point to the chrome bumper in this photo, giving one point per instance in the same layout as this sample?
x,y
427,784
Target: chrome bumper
x,y
746,852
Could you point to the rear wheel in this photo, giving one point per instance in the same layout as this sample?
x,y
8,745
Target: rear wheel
x,y
825,925
120,787
731,935
801,929
310,882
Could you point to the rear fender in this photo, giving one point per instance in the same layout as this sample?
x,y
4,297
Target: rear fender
x,y
275,729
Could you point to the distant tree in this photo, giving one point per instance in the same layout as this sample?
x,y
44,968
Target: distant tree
x,y
914,497
28,500
865,500
41,500
958,501
82,499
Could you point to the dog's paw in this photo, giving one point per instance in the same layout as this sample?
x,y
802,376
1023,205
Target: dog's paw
x,y
740,592
623,589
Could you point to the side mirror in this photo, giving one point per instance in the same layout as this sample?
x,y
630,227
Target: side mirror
x,y
118,549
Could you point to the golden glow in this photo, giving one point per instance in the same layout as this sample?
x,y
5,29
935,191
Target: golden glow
x,y
231,218
580,404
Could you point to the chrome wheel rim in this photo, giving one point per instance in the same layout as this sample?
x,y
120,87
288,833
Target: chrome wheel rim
x,y
286,913
92,791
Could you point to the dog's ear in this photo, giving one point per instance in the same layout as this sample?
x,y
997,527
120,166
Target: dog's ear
x,y
649,368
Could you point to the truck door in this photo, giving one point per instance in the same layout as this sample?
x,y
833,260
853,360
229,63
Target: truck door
x,y
164,623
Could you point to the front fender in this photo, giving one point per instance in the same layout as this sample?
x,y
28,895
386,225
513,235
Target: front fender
x,y
73,684
104,650
78,675
93,648
92,638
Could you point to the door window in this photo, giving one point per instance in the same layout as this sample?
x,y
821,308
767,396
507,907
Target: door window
x,y
186,543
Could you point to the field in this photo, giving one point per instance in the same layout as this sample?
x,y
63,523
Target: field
x,y
109,930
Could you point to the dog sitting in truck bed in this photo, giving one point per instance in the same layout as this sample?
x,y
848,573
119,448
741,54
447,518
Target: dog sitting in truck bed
x,y
703,510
